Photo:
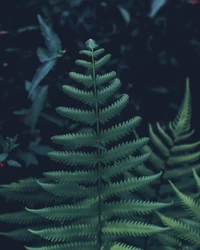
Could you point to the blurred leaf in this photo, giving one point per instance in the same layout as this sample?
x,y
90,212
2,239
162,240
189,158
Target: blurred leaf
x,y
41,72
21,112
37,106
156,5
13,163
43,54
28,157
125,14
41,149
3,156
12,142
51,39
28,28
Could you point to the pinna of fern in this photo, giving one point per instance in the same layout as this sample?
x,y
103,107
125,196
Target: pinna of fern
x,y
184,231
91,210
174,152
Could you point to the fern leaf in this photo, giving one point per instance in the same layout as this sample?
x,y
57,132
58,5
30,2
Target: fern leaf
x,y
105,93
101,79
122,166
66,233
84,64
164,135
181,229
21,235
84,79
22,217
66,177
132,207
181,124
127,185
76,140
65,212
86,97
129,228
111,111
99,63
197,178
122,150
71,191
191,205
118,131
158,143
74,158
182,148
78,115
184,159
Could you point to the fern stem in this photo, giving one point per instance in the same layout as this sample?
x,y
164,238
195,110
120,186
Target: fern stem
x,y
99,226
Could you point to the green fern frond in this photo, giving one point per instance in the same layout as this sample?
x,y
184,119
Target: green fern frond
x,y
74,177
133,207
22,217
122,150
182,230
70,190
129,228
122,166
111,111
95,201
84,79
76,140
127,185
86,97
67,233
118,131
107,92
21,235
74,158
101,79
65,212
78,115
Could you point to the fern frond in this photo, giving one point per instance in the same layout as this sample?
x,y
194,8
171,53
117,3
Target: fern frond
x,y
99,63
65,212
122,166
86,80
71,191
76,140
101,79
74,158
118,131
129,228
84,64
182,230
21,218
122,150
127,185
67,233
133,207
78,115
66,177
191,205
86,97
111,111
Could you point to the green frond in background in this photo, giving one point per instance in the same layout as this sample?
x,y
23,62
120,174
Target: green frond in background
x,y
93,202
186,231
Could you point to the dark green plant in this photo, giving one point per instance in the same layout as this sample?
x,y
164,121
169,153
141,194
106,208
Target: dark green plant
x,y
94,198
185,231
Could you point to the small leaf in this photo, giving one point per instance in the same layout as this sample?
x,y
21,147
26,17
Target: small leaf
x,y
13,163
125,14
3,156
